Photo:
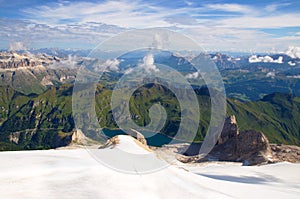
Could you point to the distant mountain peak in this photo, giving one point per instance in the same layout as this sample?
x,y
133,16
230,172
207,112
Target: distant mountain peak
x,y
11,59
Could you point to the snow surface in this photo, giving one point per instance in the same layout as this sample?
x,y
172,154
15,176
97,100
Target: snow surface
x,y
76,174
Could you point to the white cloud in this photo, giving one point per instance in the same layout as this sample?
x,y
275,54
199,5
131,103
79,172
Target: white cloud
x,y
86,35
236,27
137,14
148,64
293,52
160,41
71,62
112,64
291,63
239,40
234,39
276,6
194,75
121,13
277,21
16,46
265,59
231,7
105,66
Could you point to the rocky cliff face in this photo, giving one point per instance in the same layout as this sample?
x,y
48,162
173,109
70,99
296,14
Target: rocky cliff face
x,y
230,130
253,148
29,73
12,60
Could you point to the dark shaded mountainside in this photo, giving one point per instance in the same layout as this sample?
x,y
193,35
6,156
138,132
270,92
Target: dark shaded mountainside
x,y
45,121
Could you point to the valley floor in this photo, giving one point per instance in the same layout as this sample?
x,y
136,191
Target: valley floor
x,y
76,174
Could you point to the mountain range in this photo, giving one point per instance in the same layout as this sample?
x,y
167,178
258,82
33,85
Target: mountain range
x,y
36,102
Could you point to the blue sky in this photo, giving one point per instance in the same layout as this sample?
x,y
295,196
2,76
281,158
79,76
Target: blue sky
x,y
218,25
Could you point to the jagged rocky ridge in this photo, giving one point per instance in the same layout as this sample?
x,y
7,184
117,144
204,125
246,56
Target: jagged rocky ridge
x,y
30,73
10,60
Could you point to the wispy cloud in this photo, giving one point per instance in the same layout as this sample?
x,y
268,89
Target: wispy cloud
x,y
37,34
16,46
276,6
232,7
140,14
71,62
221,25
278,21
121,13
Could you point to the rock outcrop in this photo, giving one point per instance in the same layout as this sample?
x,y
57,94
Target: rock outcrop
x,y
287,153
30,73
110,142
77,138
139,139
137,135
230,130
253,147
11,60
250,147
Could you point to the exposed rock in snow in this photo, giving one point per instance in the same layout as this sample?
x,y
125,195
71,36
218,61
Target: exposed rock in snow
x,y
127,143
250,147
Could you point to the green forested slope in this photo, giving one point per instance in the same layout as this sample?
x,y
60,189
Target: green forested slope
x,y
45,121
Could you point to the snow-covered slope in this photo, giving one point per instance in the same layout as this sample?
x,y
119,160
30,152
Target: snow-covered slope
x,y
76,174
